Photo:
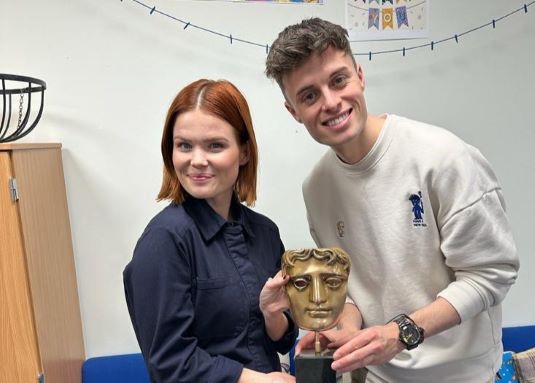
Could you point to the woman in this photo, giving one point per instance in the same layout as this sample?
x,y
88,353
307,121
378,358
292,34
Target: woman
x,y
195,286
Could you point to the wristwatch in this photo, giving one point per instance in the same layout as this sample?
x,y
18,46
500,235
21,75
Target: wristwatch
x,y
409,333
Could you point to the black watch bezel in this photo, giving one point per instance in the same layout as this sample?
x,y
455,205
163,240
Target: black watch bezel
x,y
410,334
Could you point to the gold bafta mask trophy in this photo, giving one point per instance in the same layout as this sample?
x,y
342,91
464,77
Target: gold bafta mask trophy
x,y
317,292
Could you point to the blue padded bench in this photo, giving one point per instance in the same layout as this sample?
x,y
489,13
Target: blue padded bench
x,y
518,339
131,368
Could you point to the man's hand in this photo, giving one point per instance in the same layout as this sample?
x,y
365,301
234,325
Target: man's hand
x,y
331,339
379,344
307,341
371,346
348,326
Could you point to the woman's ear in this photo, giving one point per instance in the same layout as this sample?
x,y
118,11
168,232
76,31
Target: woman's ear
x,y
244,154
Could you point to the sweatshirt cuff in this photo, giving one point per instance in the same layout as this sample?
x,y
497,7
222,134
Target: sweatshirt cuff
x,y
464,298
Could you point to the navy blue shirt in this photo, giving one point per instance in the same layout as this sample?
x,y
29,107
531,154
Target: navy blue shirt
x,y
193,287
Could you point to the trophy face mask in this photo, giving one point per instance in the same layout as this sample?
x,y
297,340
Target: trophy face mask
x,y
318,286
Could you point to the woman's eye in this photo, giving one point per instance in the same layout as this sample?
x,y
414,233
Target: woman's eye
x,y
183,146
215,146
333,282
300,283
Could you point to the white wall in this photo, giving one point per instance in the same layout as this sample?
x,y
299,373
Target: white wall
x,y
112,70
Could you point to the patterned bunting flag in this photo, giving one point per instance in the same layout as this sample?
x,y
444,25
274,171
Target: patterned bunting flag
x,y
388,18
373,18
401,15
388,1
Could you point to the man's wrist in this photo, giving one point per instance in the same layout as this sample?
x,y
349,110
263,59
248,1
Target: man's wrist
x,y
410,334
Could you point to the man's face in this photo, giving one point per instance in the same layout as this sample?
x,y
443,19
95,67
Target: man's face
x,y
317,293
325,94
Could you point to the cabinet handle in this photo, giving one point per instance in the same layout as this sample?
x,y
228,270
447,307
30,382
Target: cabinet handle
x,y
13,189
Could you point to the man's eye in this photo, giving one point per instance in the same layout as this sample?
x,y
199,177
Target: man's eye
x,y
309,98
333,282
300,283
339,81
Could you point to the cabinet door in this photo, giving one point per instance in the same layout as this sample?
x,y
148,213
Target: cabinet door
x,y
19,360
49,256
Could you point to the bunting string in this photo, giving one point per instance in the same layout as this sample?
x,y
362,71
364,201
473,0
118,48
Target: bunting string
x,y
430,45
189,24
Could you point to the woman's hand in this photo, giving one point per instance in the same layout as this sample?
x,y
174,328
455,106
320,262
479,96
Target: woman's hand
x,y
250,376
273,299
280,377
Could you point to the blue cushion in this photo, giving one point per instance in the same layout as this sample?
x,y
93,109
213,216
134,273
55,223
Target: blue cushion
x,y
129,368
507,373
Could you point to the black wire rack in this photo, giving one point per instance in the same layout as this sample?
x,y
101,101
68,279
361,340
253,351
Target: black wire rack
x,y
25,121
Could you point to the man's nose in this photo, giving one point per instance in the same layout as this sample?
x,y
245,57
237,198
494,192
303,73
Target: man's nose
x,y
331,100
317,292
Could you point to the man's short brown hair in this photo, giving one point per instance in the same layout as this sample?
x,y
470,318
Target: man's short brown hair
x,y
296,43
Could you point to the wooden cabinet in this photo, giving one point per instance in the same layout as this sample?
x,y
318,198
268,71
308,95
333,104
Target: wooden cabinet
x,y
40,325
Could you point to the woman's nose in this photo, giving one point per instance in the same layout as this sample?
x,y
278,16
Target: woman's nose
x,y
198,158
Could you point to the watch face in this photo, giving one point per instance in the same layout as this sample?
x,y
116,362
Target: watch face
x,y
411,335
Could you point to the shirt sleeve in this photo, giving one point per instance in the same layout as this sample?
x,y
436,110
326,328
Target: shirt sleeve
x,y
158,284
477,241
287,341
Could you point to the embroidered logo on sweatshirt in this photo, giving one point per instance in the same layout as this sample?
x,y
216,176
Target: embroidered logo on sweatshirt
x,y
340,228
417,209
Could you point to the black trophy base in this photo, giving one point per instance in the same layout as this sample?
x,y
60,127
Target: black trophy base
x,y
312,368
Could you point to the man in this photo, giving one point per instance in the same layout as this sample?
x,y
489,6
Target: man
x,y
420,212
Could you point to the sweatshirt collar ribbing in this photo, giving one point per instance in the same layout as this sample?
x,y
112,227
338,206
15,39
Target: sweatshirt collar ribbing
x,y
376,152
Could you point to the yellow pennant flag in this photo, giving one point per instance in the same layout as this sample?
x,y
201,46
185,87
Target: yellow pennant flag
x,y
388,18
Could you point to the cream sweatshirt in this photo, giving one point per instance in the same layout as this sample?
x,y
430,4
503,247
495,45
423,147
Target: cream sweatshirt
x,y
422,215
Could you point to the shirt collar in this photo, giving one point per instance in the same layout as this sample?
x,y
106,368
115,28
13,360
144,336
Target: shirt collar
x,y
209,222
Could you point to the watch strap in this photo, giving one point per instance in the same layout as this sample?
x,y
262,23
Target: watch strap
x,y
403,321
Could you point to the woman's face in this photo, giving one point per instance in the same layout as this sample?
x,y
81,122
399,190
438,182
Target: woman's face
x,y
207,157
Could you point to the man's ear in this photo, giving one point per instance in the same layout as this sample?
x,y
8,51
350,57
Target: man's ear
x,y
244,154
290,109
360,75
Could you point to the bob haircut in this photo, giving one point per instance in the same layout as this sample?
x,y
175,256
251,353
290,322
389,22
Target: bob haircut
x,y
223,100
